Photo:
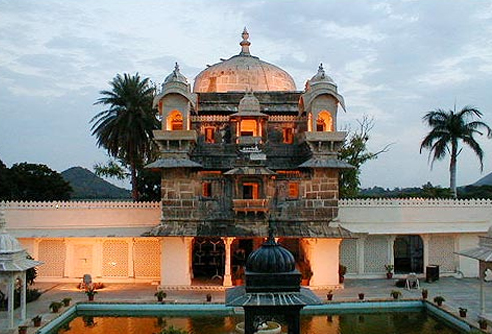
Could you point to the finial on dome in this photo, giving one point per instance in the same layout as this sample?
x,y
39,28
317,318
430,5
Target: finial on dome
x,y
245,43
176,67
321,71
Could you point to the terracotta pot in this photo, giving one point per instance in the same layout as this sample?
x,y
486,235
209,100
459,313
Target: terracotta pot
x,y
22,329
361,296
424,294
36,322
389,275
483,324
91,298
329,296
341,279
209,298
439,303
463,314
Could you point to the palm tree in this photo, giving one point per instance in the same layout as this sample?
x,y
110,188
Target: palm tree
x,y
447,129
125,128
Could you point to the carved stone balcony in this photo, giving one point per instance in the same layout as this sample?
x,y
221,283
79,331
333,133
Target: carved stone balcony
x,y
250,205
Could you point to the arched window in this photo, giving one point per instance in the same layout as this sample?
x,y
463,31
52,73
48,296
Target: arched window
x,y
324,121
175,120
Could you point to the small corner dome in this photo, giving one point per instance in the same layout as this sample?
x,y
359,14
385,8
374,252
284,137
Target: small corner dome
x,y
271,257
176,76
8,244
321,76
243,72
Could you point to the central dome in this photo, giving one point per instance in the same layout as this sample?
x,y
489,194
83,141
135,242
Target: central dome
x,y
241,73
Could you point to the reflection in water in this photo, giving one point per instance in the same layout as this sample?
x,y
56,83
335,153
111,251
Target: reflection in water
x,y
381,323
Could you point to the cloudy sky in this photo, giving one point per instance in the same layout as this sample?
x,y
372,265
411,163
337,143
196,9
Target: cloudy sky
x,y
392,60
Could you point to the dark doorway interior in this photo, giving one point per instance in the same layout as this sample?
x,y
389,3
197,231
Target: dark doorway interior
x,y
409,254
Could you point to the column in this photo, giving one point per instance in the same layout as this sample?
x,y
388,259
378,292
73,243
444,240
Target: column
x,y
391,246
97,255
10,293
426,242
227,269
68,270
131,272
23,311
361,254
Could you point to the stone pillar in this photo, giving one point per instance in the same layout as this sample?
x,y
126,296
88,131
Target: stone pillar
x,y
426,242
10,293
227,266
391,248
360,251
176,261
131,272
69,258
23,311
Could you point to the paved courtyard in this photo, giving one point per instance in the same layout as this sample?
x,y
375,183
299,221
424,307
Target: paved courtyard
x,y
457,292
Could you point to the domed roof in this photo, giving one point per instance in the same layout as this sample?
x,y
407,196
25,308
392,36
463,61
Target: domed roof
x,y
271,257
8,244
321,76
242,72
175,76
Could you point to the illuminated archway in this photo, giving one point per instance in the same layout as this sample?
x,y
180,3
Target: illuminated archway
x,y
175,121
249,127
324,122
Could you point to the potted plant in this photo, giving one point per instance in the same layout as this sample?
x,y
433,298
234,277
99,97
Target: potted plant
x,y
329,295
425,293
22,329
389,270
209,297
55,306
361,296
395,294
439,300
463,311
160,294
342,270
36,321
482,323
90,292
66,301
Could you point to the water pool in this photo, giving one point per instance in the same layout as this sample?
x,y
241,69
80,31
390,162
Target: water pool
x,y
345,318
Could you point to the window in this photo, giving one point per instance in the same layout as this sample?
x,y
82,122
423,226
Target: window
x,y
207,189
175,121
324,121
209,135
293,190
288,135
248,128
250,190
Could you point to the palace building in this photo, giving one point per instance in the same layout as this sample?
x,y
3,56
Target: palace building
x,y
242,152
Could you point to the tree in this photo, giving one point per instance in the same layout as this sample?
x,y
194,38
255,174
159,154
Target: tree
x,y
36,182
355,152
447,129
125,128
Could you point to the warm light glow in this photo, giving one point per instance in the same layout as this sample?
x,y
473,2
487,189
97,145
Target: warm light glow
x,y
174,121
288,135
249,128
293,190
324,122
210,135
250,190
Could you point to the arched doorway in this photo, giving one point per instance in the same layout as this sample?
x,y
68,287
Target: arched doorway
x,y
409,254
208,260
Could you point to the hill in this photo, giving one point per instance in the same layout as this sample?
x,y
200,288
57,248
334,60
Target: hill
x,y
87,185
484,181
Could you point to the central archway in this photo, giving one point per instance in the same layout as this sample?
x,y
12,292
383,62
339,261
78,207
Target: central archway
x,y
409,254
